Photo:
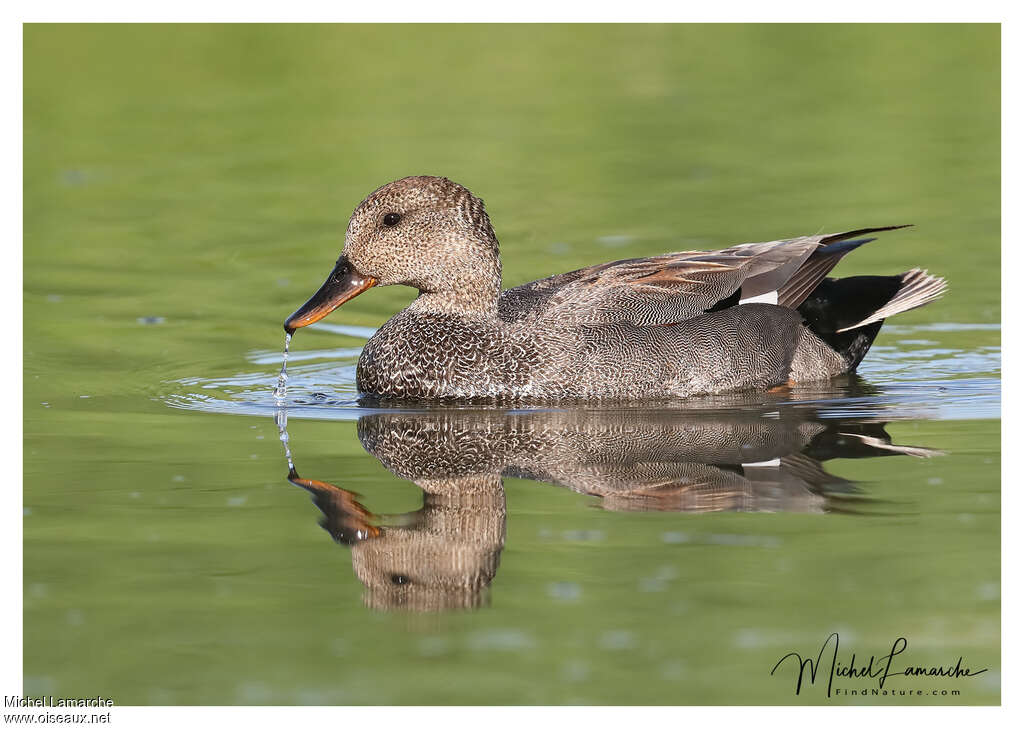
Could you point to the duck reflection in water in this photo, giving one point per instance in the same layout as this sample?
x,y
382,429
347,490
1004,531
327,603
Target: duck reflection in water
x,y
445,555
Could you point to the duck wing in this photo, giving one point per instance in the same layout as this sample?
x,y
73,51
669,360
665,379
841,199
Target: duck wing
x,y
677,286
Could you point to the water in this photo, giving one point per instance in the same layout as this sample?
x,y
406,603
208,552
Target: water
x,y
910,376
191,538
281,418
281,389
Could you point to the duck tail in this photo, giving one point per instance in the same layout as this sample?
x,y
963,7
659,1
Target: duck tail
x,y
848,312
918,287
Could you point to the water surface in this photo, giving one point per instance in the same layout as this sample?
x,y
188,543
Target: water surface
x,y
188,187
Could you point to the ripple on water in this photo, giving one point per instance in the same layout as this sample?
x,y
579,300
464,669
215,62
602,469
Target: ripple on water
x,y
910,376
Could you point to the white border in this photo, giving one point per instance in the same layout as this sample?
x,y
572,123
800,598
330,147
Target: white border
x,y
522,11
407,11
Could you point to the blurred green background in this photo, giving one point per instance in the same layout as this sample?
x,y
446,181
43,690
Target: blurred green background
x,y
203,175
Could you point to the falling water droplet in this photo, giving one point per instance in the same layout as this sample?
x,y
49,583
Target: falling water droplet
x,y
281,391
281,419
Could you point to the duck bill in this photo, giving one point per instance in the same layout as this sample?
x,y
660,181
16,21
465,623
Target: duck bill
x,y
343,284
348,521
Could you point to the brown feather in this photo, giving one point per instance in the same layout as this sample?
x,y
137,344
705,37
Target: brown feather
x,y
674,287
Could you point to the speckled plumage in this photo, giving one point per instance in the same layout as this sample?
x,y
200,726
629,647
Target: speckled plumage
x,y
444,555
667,326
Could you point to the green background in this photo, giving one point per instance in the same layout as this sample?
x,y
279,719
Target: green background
x,y
205,174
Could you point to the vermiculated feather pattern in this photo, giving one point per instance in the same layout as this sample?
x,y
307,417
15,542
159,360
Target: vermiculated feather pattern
x,y
672,325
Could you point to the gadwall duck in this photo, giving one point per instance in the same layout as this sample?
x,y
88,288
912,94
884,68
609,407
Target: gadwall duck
x,y
753,316
444,555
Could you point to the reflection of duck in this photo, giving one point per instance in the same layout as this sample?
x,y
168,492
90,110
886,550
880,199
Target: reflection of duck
x,y
668,326
444,555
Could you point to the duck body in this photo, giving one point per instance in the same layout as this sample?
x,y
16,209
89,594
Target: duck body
x,y
430,356
753,316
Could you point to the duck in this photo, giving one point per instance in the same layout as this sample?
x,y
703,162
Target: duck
x,y
754,316
445,555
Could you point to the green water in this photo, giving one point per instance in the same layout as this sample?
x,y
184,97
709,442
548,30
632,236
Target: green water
x,y
186,187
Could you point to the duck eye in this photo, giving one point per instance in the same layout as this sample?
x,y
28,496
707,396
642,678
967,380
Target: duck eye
x,y
392,219
398,579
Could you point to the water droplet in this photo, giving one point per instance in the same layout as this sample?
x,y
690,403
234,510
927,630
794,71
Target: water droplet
x,y
281,391
281,418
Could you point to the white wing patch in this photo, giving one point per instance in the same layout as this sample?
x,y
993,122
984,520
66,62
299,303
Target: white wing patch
x,y
772,297
773,463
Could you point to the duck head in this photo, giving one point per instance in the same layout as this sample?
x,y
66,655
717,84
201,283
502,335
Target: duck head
x,y
426,232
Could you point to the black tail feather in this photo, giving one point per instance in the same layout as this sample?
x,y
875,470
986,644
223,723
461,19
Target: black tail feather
x,y
862,231
840,303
